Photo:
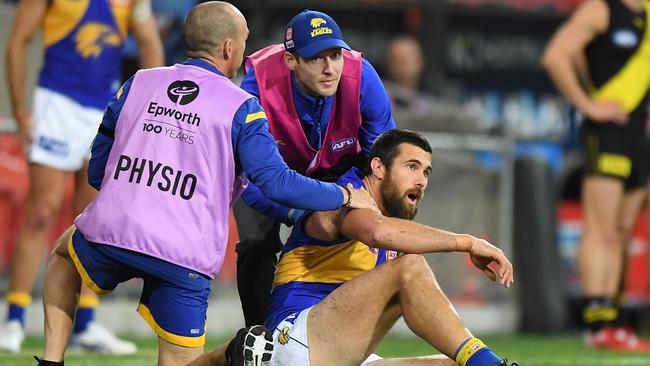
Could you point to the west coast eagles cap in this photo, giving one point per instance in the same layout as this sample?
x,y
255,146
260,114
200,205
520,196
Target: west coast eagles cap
x,y
312,32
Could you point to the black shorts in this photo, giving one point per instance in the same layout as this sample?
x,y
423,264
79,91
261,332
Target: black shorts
x,y
617,152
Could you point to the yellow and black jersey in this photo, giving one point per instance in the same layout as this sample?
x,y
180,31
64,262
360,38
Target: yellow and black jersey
x,y
619,60
83,47
309,269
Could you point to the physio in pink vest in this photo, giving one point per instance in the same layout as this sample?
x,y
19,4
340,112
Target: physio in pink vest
x,y
325,105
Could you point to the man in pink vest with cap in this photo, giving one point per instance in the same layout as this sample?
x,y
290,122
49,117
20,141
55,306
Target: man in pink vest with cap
x,y
325,105
174,150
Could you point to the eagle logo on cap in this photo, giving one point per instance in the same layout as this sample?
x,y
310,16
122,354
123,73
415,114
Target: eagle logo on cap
x,y
316,22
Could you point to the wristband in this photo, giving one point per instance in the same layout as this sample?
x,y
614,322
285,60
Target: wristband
x,y
349,202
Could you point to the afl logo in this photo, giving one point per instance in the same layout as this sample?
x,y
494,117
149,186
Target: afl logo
x,y
342,144
182,91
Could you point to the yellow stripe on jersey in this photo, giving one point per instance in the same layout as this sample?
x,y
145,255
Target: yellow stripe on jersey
x,y
183,341
631,83
331,264
61,17
255,116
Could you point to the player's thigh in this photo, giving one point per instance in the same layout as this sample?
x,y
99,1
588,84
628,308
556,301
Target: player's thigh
x,y
46,190
174,303
601,200
631,205
84,192
352,320
61,245
99,265
170,354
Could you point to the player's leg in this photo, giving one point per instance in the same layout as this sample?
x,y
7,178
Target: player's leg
x,y
44,199
170,290
259,241
87,334
632,203
170,354
352,320
600,256
60,296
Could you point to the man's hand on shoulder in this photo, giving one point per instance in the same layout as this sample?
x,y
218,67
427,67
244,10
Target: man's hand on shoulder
x,y
358,198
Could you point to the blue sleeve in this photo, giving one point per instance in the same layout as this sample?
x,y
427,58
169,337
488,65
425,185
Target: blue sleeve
x,y
254,198
104,140
257,154
249,83
376,111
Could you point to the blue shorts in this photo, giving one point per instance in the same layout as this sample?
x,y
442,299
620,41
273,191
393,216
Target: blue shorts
x,y
174,299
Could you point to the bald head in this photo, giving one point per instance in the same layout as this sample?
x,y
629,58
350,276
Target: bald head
x,y
209,24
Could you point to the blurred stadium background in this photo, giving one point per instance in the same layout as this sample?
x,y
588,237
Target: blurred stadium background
x,y
505,168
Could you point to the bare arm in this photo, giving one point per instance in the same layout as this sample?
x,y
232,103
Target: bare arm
x,y
564,58
378,231
145,31
26,23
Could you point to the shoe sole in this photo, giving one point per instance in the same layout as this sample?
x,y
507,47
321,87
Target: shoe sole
x,y
258,346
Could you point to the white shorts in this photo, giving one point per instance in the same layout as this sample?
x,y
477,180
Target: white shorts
x,y
290,342
63,130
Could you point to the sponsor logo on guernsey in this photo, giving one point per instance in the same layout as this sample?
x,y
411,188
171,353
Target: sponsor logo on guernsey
x,y
93,37
342,144
625,38
319,29
154,174
53,146
182,91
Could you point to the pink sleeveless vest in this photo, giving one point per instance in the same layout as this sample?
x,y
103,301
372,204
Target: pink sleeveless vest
x,y
340,144
170,177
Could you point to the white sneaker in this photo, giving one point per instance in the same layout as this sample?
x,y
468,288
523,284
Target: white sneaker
x,y
11,337
96,338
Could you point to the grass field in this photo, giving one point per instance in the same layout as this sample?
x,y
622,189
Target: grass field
x,y
526,350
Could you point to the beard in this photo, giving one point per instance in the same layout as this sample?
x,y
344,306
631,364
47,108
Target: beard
x,y
396,204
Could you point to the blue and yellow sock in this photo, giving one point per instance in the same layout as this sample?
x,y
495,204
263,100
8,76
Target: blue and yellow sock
x,y
85,313
473,352
18,303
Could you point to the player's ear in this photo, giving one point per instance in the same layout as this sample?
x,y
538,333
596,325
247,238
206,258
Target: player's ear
x,y
291,60
378,168
228,49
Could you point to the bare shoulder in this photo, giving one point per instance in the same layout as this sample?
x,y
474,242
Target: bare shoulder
x,y
592,14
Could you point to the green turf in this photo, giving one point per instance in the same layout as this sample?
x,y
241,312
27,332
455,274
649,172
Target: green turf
x,y
526,350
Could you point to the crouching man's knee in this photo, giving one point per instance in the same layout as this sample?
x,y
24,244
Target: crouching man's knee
x,y
61,245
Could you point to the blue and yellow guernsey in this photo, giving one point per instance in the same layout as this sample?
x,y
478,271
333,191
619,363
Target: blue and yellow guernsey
x,y
310,269
83,48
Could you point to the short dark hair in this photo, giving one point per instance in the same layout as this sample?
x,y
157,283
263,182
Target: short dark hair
x,y
386,146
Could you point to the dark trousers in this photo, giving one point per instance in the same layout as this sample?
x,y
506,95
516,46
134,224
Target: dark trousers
x,y
259,242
